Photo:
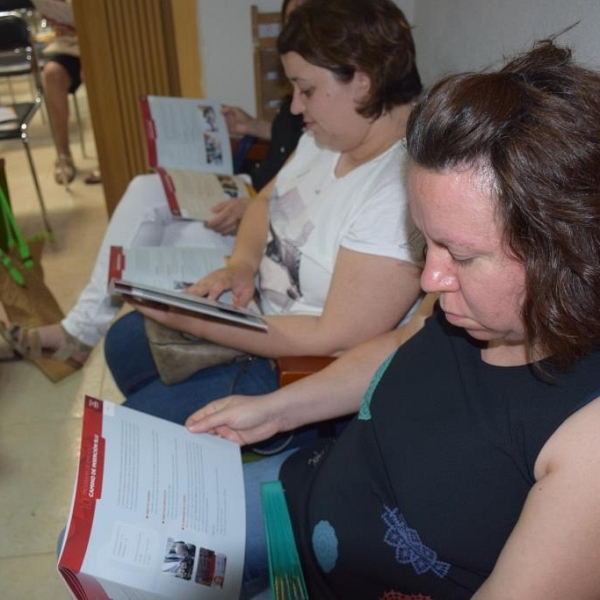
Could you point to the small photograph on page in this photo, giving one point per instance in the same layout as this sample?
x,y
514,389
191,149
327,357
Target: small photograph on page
x,y
229,185
209,116
179,559
214,152
211,568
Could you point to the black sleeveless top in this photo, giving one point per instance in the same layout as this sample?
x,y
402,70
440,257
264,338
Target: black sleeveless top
x,y
417,497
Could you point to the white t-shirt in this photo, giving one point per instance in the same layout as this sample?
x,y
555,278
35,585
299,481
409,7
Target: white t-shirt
x,y
312,213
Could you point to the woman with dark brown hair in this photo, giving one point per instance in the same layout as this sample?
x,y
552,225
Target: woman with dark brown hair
x,y
326,245
472,469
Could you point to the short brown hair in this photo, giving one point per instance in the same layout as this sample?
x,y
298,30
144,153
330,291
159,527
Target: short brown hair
x,y
346,36
533,130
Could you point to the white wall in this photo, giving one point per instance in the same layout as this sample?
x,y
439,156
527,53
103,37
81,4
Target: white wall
x,y
456,35
225,35
451,35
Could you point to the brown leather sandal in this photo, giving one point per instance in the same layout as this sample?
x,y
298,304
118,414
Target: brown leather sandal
x,y
93,177
26,342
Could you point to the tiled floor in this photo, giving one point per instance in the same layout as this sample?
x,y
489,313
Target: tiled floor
x,y
40,420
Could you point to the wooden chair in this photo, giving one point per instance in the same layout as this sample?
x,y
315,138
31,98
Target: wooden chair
x,y
292,368
247,150
270,82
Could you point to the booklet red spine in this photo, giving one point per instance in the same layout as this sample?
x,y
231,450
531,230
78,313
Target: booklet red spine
x,y
88,491
116,263
150,131
169,188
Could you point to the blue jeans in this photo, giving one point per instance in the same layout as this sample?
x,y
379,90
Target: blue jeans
x,y
130,361
256,563
129,358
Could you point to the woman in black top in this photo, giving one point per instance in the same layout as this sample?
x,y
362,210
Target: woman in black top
x,y
471,469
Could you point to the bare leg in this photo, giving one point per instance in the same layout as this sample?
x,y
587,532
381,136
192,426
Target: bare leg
x,y
57,82
142,218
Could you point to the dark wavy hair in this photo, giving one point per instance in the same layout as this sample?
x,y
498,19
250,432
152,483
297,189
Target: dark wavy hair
x,y
346,36
284,8
532,128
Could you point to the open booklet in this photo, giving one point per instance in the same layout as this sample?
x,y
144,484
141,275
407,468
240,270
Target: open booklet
x,y
161,274
157,512
188,146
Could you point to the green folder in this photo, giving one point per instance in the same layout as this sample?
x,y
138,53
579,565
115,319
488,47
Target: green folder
x,y
287,580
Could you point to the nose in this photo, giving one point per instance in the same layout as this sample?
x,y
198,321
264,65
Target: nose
x,y
297,106
438,275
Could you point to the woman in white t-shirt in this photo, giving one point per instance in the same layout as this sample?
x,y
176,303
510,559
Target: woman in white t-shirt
x,y
326,244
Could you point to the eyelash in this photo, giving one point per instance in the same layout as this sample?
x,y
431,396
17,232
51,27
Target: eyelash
x,y
307,93
462,262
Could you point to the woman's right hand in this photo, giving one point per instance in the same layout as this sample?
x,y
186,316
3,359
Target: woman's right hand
x,y
241,419
237,277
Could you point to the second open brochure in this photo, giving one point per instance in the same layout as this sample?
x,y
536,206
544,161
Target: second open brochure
x,y
162,273
188,145
157,512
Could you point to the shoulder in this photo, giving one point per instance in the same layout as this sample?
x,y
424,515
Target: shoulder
x,y
384,177
579,390
574,444
553,551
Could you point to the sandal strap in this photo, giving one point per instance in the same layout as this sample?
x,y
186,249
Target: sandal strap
x,y
72,347
23,340
26,342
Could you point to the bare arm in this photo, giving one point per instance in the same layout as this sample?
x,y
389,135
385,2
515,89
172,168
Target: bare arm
x,y
333,392
554,551
240,123
368,295
247,253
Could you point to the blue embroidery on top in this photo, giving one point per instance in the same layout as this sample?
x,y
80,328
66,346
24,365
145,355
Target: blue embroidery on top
x,y
409,547
325,545
364,414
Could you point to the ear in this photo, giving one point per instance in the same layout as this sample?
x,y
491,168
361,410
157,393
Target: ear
x,y
363,82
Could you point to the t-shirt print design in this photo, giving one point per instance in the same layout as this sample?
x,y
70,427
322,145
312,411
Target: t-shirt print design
x,y
289,229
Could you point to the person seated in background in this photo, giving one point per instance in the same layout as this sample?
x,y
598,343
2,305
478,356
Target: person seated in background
x,y
329,238
142,218
61,76
474,454
283,133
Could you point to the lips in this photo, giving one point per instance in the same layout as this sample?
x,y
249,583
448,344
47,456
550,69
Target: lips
x,y
452,318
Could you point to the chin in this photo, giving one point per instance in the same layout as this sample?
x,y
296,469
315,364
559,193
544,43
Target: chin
x,y
481,335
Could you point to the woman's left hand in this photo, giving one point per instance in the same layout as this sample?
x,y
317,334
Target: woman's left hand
x,y
241,419
228,215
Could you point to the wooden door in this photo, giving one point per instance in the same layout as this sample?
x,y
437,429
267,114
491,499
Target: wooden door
x,y
128,49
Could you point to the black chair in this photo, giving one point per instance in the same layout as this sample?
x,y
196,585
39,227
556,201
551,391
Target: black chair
x,y
12,5
16,42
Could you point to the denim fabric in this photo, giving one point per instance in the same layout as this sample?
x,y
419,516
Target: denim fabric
x,y
130,360
256,566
